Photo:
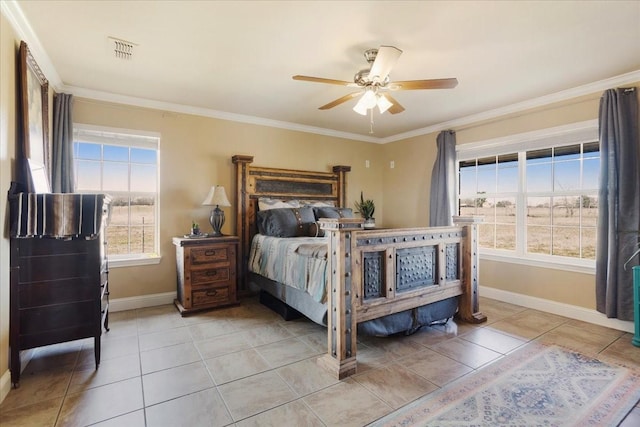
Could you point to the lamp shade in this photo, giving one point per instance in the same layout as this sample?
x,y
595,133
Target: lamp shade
x,y
383,103
217,197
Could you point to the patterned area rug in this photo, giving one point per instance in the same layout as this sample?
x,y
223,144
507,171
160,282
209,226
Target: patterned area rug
x,y
535,386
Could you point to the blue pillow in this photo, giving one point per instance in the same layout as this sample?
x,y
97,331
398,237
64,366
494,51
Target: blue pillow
x,y
332,212
285,222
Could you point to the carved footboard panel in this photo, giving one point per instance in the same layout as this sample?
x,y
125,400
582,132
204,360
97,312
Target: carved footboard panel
x,y
374,273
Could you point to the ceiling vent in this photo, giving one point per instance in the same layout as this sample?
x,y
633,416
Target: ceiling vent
x,y
122,49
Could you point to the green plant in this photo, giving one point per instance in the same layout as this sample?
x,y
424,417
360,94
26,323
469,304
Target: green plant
x,y
366,208
194,225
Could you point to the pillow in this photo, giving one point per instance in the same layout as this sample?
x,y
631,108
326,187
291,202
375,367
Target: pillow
x,y
318,203
332,212
266,203
285,222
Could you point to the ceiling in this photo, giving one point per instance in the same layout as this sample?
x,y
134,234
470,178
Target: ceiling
x,y
235,59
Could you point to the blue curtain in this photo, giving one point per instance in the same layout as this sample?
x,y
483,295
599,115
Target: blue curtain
x,y
443,181
619,201
62,145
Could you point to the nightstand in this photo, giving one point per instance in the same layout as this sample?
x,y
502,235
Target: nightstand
x,y
206,270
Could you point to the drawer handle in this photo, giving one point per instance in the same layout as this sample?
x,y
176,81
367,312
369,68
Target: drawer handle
x,y
210,252
212,273
212,293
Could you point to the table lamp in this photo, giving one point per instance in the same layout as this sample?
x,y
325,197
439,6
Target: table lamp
x,y
217,197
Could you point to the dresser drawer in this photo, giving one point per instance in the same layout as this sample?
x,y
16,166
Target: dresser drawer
x,y
209,275
209,255
211,296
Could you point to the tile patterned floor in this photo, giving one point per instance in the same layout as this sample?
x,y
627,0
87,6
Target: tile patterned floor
x,y
245,366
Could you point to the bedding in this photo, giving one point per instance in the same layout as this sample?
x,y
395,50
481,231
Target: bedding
x,y
298,262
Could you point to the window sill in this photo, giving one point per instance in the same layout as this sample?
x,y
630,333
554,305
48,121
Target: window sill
x,y
133,262
531,262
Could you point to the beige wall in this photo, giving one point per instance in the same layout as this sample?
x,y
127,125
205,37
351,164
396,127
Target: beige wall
x,y
195,153
8,49
414,160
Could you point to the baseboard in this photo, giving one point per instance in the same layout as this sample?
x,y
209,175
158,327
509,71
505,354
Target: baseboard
x,y
142,301
561,309
5,384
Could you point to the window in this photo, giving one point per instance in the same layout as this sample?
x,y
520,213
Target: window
x,y
123,164
538,194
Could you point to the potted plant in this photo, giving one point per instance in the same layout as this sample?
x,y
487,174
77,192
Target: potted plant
x,y
366,208
195,228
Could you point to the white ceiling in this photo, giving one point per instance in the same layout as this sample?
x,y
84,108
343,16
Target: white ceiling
x,y
235,59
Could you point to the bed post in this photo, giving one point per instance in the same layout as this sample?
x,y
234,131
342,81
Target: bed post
x,y
340,359
341,171
242,218
469,308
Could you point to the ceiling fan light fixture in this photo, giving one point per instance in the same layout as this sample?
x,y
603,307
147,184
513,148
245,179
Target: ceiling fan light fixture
x,y
383,103
360,108
366,102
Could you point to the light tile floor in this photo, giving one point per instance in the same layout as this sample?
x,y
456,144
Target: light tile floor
x,y
245,366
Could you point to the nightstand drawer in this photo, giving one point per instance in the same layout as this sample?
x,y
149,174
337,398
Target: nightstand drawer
x,y
210,296
220,274
209,255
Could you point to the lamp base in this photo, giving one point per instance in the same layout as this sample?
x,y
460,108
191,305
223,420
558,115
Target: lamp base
x,y
217,221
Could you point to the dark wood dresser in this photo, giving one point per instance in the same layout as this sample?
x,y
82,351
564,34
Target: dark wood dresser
x,y
59,292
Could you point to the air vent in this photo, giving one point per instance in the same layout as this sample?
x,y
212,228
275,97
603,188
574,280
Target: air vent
x,y
122,49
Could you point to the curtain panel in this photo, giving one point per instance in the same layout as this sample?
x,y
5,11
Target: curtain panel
x,y
62,146
619,201
443,181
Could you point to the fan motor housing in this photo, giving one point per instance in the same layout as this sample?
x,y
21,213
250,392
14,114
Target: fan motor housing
x,y
361,78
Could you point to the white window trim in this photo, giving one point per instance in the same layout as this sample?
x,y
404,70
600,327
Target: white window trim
x,y
144,139
574,133
134,260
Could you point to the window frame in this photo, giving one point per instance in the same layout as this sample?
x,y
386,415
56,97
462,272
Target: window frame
x,y
574,133
127,138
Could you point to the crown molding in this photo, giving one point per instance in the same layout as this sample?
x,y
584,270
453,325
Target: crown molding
x,y
207,112
12,11
542,101
601,85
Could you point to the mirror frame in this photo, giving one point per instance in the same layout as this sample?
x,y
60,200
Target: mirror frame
x,y
34,101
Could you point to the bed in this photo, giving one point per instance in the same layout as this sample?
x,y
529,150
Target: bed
x,y
375,281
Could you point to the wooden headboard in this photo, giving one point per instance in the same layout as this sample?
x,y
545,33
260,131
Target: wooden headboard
x,y
253,182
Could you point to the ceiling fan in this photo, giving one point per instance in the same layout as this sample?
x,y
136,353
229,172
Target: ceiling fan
x,y
376,83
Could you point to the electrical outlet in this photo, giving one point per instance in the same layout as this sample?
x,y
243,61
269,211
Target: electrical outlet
x,y
366,163
392,164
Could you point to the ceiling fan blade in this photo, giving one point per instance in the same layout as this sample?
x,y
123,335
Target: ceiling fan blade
x,y
424,84
396,107
385,60
321,80
340,100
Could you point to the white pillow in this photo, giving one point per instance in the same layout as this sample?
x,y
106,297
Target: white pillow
x,y
319,203
266,203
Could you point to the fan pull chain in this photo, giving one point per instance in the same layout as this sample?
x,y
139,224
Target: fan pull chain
x,y
371,122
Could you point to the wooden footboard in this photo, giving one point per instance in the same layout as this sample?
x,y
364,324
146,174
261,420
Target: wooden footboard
x,y
374,273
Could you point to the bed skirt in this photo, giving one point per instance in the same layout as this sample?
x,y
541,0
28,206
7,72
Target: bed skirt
x,y
404,322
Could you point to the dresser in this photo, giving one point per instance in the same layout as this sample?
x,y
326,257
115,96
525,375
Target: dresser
x,y
206,270
59,287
